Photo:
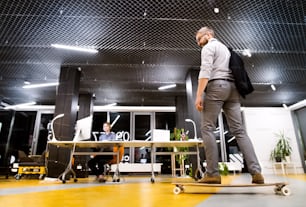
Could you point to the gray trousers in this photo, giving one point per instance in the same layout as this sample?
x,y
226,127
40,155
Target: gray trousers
x,y
222,94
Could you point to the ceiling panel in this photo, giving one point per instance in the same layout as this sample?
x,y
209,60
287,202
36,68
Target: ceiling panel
x,y
144,44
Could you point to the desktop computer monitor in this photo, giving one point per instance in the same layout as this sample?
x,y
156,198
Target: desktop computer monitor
x,y
83,129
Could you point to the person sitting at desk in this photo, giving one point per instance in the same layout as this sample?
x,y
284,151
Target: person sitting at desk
x,y
98,163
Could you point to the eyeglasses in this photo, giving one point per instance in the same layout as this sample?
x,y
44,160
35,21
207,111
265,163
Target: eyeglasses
x,y
199,38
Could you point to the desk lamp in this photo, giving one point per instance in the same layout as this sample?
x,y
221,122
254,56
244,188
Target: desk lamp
x,y
194,127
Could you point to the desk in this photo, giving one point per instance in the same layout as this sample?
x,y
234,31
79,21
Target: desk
x,y
72,145
284,166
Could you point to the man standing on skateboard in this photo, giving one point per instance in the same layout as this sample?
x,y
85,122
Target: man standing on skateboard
x,y
216,79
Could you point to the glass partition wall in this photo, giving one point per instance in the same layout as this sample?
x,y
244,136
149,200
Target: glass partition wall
x,y
29,130
142,127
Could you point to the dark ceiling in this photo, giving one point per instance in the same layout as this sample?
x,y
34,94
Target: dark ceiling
x,y
144,44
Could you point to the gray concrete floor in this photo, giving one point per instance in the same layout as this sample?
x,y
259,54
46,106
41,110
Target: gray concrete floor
x,y
259,196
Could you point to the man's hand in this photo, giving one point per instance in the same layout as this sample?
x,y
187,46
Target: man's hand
x,y
199,103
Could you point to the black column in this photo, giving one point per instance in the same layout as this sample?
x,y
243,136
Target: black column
x,y
181,112
85,105
191,90
66,103
85,110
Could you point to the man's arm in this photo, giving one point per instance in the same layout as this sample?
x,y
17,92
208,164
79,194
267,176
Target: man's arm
x,y
202,83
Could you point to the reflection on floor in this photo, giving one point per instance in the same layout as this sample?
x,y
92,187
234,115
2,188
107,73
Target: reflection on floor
x,y
138,191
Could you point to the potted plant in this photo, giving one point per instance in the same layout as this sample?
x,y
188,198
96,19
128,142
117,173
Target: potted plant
x,y
223,168
179,135
282,149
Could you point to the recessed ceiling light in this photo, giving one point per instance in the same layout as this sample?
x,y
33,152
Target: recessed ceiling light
x,y
216,10
167,87
112,104
273,87
40,85
298,105
75,48
19,105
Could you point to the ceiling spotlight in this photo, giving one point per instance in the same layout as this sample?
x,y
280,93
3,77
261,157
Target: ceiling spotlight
x,y
247,52
216,10
75,48
40,85
167,87
273,87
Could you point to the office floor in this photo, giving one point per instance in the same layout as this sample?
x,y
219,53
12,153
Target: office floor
x,y
139,191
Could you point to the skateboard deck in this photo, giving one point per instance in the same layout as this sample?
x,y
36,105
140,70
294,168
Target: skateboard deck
x,y
279,188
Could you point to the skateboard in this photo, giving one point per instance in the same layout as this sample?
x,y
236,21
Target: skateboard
x,y
279,188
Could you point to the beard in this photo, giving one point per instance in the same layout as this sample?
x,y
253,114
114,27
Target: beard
x,y
203,43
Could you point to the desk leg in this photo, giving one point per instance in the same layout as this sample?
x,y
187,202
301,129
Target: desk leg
x,y
152,163
173,165
69,169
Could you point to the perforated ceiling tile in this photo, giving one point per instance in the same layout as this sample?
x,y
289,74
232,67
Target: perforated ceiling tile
x,y
146,43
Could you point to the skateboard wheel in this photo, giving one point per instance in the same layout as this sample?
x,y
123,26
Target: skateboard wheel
x,y
277,190
286,191
177,190
41,177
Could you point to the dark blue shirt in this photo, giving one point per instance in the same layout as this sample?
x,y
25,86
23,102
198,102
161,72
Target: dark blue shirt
x,y
107,137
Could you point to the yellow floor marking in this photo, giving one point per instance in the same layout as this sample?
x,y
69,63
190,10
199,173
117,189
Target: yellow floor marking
x,y
144,194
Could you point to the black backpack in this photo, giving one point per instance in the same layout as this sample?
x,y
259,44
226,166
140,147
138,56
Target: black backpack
x,y
242,80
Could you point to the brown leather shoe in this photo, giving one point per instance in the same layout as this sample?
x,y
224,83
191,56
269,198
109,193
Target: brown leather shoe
x,y
210,179
257,178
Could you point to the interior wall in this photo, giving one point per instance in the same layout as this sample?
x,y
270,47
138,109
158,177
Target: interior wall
x,y
262,124
299,117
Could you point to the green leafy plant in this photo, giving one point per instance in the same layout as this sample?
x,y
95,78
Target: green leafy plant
x,y
282,148
180,135
223,168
